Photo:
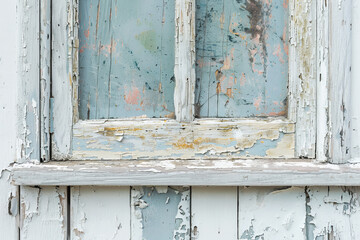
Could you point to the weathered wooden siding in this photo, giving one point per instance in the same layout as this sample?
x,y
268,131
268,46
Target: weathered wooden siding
x,y
9,59
126,58
242,53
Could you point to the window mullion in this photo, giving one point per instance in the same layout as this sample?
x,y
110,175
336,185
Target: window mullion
x,y
184,94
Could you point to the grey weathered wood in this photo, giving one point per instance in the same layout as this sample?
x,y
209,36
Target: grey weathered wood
x,y
188,172
340,52
302,83
322,127
45,78
29,95
184,96
62,77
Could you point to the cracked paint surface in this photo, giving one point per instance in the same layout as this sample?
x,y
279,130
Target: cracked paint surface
x,y
242,58
126,59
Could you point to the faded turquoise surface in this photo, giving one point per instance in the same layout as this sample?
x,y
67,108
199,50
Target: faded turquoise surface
x,y
126,58
241,58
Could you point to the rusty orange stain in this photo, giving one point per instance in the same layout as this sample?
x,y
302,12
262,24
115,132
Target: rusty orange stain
x,y
132,96
279,53
257,102
218,88
87,33
183,144
242,79
229,92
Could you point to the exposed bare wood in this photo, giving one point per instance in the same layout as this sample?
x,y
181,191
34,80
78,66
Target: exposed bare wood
x,y
302,82
340,79
184,96
188,172
167,139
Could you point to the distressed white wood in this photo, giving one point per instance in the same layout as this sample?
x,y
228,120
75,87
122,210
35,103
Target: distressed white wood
x,y
28,141
333,213
100,213
62,58
9,76
340,53
302,75
184,93
271,213
355,83
323,136
45,78
214,213
188,172
43,213
160,213
167,139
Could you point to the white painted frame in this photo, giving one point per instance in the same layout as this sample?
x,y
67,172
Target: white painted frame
x,y
311,24
189,138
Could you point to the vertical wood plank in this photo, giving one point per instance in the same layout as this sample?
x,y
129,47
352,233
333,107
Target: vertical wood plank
x,y
62,79
184,93
214,213
160,213
322,137
355,83
302,85
29,96
43,213
45,75
271,213
100,213
340,53
10,23
332,213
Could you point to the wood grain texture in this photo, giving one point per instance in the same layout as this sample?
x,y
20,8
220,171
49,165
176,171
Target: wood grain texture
x,y
332,213
43,213
188,172
303,71
271,213
242,50
214,213
62,77
126,59
340,79
160,213
184,93
92,207
168,139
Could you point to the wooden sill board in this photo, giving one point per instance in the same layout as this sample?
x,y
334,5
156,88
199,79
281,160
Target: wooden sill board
x,y
294,172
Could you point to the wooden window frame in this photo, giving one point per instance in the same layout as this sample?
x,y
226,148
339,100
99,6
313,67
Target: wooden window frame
x,y
313,117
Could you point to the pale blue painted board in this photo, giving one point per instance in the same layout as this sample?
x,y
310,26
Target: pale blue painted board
x,y
159,217
126,58
242,58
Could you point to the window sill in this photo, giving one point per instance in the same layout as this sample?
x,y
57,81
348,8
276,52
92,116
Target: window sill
x,y
270,172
